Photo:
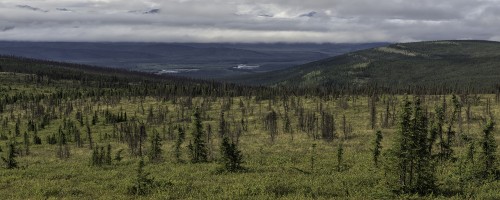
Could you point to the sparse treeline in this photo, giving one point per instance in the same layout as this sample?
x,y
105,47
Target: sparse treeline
x,y
176,120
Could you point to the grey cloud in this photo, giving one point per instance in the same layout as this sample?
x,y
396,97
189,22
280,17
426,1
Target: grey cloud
x,y
250,20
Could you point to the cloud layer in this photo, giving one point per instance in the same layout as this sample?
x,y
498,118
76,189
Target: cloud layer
x,y
249,20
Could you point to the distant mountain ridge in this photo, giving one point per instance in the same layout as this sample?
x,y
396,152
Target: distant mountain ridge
x,y
450,63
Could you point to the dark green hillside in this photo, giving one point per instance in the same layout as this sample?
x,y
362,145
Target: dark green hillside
x,y
461,64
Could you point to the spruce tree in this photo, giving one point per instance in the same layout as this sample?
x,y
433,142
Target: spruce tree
x,y
271,124
89,137
377,147
26,142
373,111
231,156
62,149
155,150
142,135
10,160
95,161
118,155
327,127
436,131
142,184
107,159
413,164
488,154
36,139
340,156
313,157
198,147
222,125
16,128
178,144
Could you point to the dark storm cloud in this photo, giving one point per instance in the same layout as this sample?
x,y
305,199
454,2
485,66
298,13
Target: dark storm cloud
x,y
249,20
7,28
31,8
310,14
152,11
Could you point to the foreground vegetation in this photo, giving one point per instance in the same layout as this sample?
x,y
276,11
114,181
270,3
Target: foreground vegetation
x,y
110,135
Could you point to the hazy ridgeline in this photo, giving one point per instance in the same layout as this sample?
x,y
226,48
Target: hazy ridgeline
x,y
69,131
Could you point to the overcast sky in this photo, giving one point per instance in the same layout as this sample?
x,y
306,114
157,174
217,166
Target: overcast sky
x,y
249,20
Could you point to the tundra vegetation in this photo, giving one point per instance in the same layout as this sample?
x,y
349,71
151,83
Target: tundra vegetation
x,y
78,132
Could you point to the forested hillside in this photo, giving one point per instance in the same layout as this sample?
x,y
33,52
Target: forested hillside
x,y
463,65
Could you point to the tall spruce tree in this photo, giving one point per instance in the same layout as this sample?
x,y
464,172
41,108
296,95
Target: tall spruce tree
x,y
198,147
413,167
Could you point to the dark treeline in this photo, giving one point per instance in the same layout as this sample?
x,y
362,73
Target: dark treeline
x,y
112,81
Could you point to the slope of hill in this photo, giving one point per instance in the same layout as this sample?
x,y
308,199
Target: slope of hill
x,y
474,64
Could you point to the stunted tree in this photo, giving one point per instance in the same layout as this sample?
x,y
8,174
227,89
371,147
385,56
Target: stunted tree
x,y
488,154
327,126
107,158
373,111
271,124
231,156
377,147
62,147
26,142
197,146
89,137
222,125
10,160
101,156
36,139
340,157
142,136
142,184
436,132
155,150
178,144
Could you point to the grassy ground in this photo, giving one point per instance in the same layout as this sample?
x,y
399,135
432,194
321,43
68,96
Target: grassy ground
x,y
279,170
